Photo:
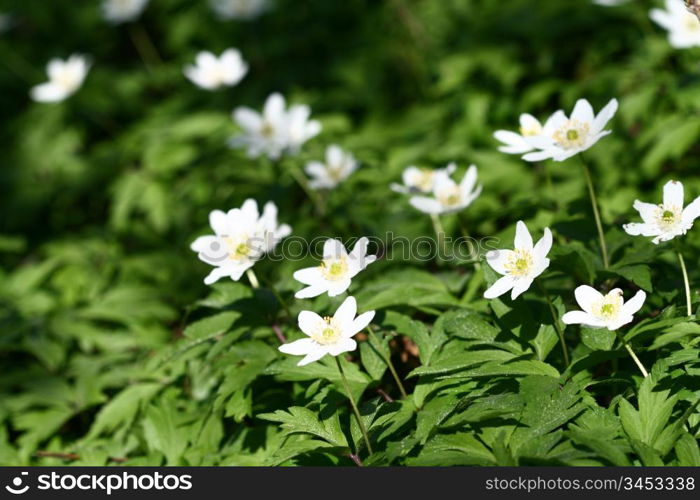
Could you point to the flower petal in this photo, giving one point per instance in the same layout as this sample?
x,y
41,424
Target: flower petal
x,y
634,304
345,314
543,246
523,239
520,286
497,259
673,194
309,322
586,296
501,286
361,322
298,347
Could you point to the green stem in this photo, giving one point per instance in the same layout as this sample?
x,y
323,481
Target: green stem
x,y
144,46
279,298
688,303
634,356
354,406
439,232
252,278
558,329
389,364
596,214
298,176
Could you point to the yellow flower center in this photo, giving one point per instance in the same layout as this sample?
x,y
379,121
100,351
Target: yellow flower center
x,y
328,333
609,307
691,23
267,130
334,269
572,134
239,248
668,216
450,196
519,263
424,182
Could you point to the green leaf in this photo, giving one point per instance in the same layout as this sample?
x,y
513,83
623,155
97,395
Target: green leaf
x,y
297,419
598,339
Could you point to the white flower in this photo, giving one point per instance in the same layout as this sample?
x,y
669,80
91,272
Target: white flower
x,y
328,335
65,78
338,167
667,220
521,265
211,72
227,10
515,143
603,311
563,137
335,273
276,130
299,128
241,238
682,26
121,11
448,196
421,180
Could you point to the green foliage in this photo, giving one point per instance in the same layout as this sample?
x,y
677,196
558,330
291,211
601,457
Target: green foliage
x,y
115,352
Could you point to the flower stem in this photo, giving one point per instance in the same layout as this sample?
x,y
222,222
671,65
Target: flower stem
x,y
634,356
596,214
439,232
390,365
298,176
688,303
252,278
354,406
144,46
555,318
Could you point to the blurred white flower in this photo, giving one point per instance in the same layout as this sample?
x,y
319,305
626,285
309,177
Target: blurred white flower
x,y
227,10
421,180
122,11
563,137
521,265
682,26
328,335
515,143
242,236
603,311
338,167
65,78
275,131
335,273
448,196
667,220
211,72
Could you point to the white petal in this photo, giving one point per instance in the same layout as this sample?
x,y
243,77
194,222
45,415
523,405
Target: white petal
x,y
335,288
634,304
604,116
577,318
640,229
298,347
309,322
523,239
361,322
583,112
691,212
48,92
247,118
586,296
499,287
497,259
520,285
673,193
426,205
646,210
543,246
219,223
317,353
346,312
309,275
312,291
539,155
343,345
333,249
